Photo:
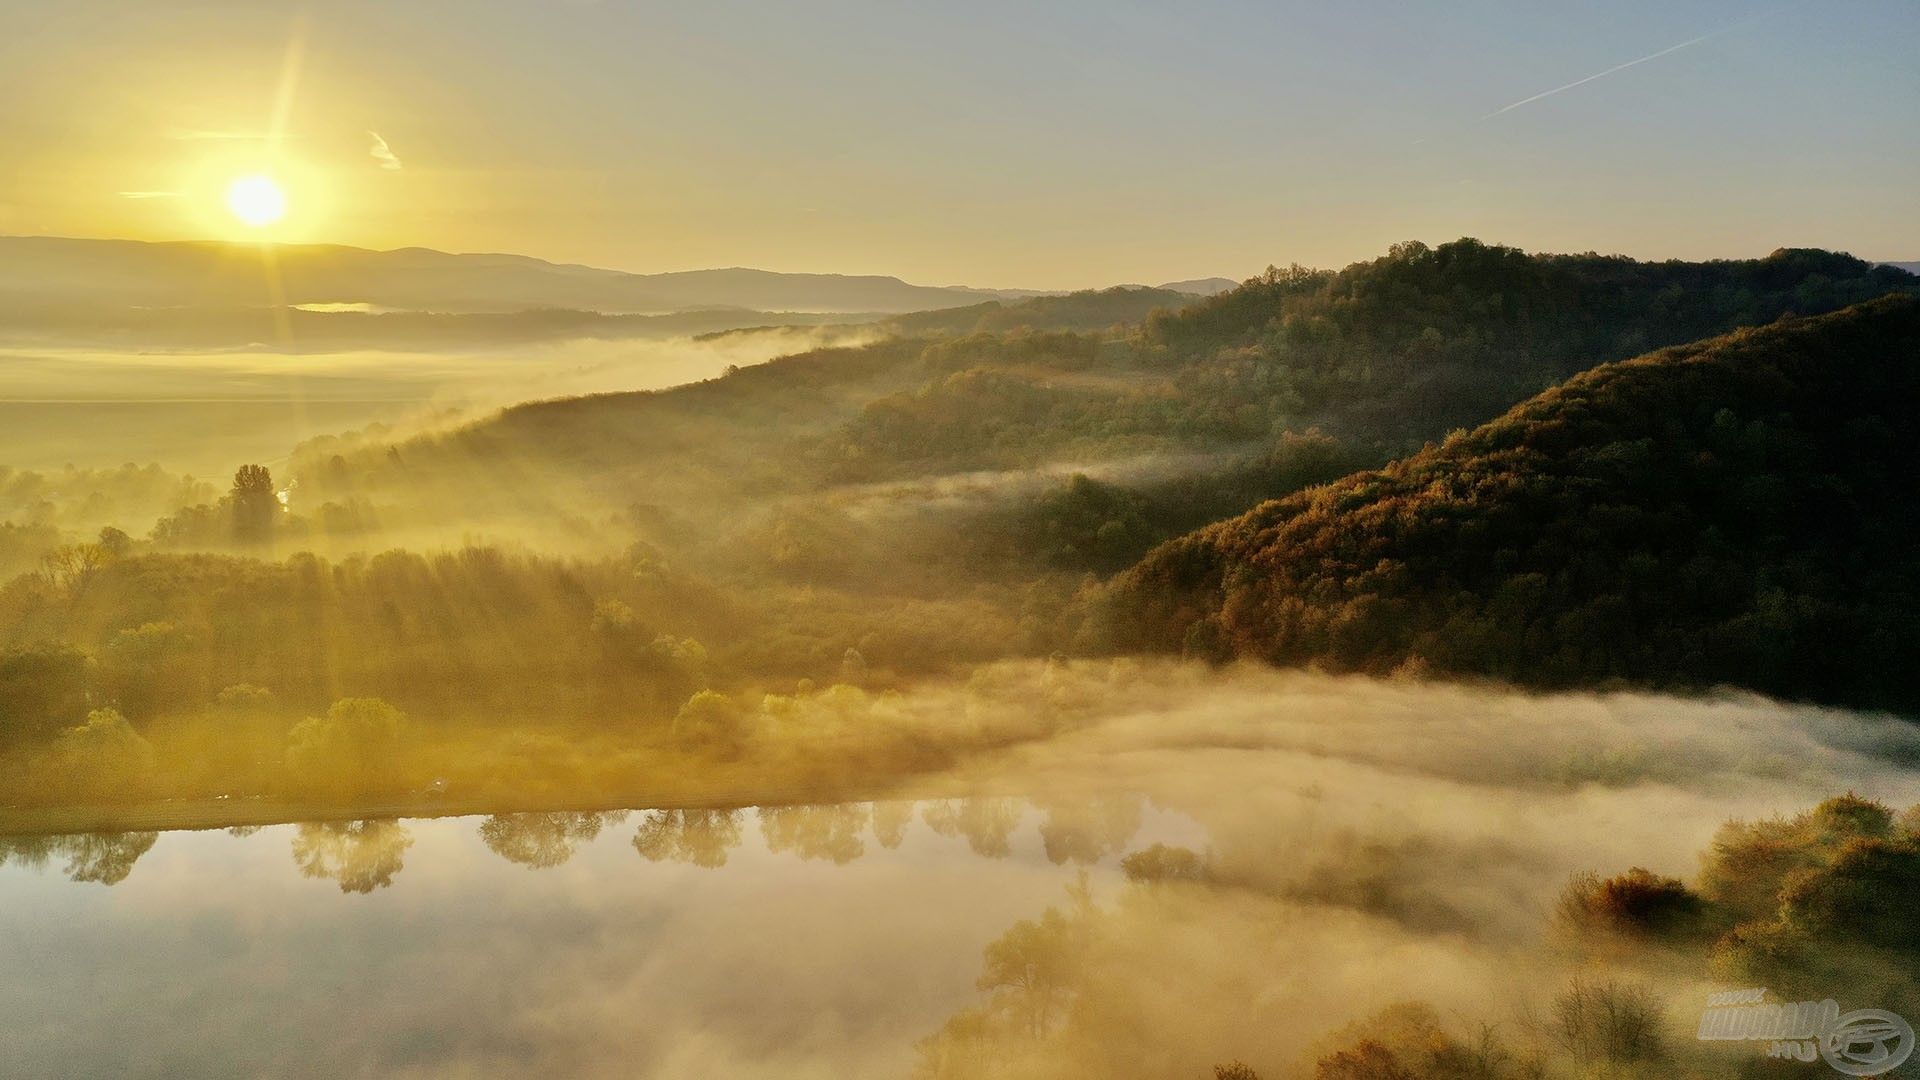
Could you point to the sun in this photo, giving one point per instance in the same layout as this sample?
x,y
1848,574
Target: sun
x,y
256,200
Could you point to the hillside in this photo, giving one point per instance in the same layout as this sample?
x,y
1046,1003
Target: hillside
x,y
1088,310
1385,355
1183,416
1735,511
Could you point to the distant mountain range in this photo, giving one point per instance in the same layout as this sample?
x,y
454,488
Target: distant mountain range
x,y
1909,267
107,273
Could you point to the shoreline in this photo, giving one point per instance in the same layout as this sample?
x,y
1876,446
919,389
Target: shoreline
x,y
191,815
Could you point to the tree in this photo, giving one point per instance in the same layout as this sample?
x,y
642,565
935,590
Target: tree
x,y
43,690
352,750
1164,862
115,543
72,567
106,754
1608,1022
255,505
1638,903
1367,1061
710,720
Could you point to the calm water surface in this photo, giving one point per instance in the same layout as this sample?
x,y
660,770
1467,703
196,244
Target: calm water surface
x,y
809,941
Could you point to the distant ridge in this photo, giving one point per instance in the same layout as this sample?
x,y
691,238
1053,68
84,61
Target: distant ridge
x,y
209,274
1209,286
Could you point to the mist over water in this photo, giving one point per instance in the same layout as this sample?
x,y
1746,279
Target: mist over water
x,y
1365,843
600,540
450,959
207,412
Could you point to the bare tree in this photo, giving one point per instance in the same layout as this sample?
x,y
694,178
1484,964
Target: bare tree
x,y
1611,1024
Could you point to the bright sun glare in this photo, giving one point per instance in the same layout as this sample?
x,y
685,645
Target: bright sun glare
x,y
256,200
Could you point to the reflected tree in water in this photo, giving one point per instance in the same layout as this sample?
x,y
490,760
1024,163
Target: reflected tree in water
x,y
987,823
106,858
1033,975
31,852
361,855
700,837
1086,832
816,832
890,821
543,840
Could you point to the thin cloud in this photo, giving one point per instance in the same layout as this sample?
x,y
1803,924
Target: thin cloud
x,y
150,194
382,153
1603,74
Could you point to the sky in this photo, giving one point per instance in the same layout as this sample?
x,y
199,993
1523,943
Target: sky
x,y
1068,144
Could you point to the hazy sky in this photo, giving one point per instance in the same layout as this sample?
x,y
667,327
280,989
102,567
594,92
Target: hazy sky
x,y
1056,144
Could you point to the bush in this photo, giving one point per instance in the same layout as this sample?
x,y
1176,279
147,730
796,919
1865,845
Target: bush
x,y
1638,903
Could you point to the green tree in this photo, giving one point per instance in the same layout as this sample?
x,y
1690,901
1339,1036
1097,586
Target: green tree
x,y
354,749
255,505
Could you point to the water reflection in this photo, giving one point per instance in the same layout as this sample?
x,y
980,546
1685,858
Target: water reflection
x,y
1088,830
105,858
366,855
797,942
540,841
986,823
361,855
699,837
890,821
831,833
1290,865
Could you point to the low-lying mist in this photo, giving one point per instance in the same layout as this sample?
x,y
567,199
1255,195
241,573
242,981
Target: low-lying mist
x,y
1347,844
205,412
1371,843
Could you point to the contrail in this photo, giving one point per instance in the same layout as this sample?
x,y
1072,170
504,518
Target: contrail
x,y
1604,74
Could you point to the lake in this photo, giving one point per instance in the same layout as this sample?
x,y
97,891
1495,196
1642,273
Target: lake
x,y
1268,858
805,941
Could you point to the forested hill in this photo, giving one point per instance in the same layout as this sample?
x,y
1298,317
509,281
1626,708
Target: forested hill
x,y
1383,355
1183,416
1409,345
1737,511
